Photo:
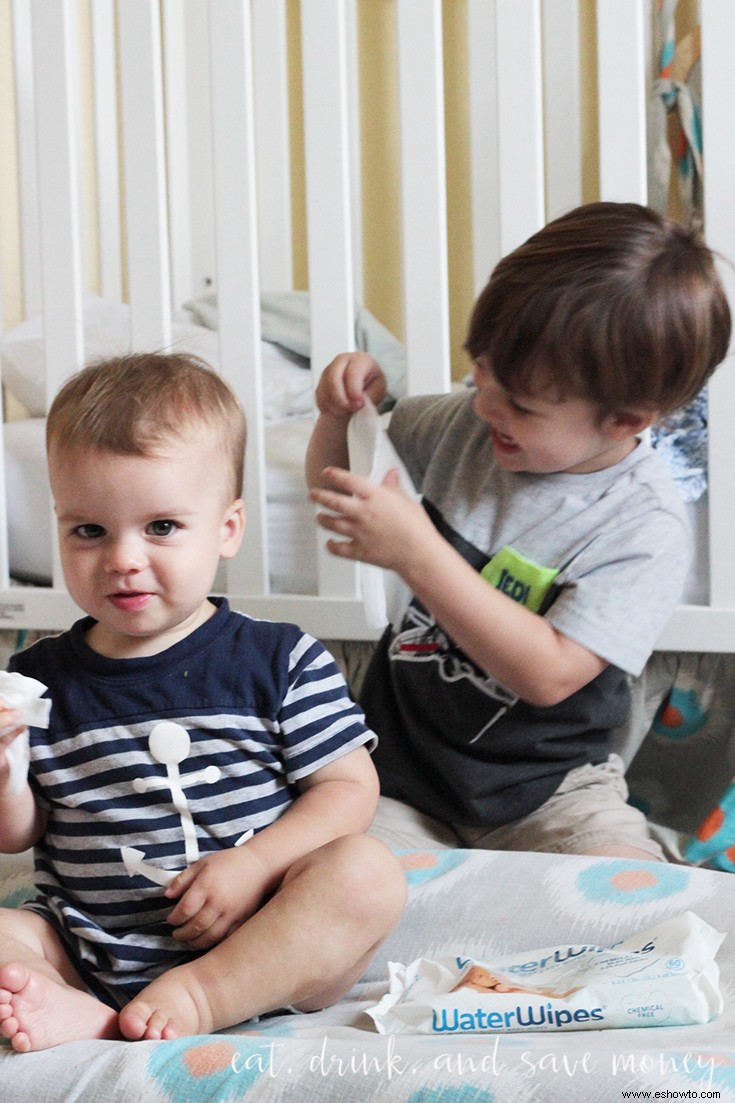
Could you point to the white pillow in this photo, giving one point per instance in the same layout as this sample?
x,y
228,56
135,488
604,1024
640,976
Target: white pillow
x,y
29,500
287,387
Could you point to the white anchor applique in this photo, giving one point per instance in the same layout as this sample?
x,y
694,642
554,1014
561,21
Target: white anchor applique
x,y
170,744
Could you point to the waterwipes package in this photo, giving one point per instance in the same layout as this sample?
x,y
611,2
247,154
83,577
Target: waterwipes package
x,y
665,976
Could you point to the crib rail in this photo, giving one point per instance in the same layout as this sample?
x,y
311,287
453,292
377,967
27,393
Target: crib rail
x,y
712,627
192,145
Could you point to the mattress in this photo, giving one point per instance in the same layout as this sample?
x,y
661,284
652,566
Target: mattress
x,y
470,903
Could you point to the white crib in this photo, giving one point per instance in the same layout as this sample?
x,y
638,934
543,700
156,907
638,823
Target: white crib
x,y
190,193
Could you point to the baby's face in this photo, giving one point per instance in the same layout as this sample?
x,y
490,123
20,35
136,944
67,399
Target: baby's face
x,y
140,539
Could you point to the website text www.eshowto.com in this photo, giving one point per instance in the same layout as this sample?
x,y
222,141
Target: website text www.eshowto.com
x,y
330,1061
667,1093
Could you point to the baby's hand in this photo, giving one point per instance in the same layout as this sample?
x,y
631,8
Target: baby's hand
x,y
10,723
215,896
345,382
11,726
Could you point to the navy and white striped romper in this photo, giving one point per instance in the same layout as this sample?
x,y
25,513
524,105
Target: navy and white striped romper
x,y
261,702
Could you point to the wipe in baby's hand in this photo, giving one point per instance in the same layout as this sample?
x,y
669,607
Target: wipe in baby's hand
x,y
24,695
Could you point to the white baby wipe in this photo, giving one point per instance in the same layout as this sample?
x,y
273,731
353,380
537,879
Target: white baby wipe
x,y
372,455
25,695
663,976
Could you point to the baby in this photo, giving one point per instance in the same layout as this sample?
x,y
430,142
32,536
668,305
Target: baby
x,y
199,801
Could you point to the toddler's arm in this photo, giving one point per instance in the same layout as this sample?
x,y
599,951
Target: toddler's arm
x,y
340,392
381,525
523,651
21,821
221,891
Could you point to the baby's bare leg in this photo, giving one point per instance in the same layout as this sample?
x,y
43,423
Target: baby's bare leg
x,y
43,1000
306,947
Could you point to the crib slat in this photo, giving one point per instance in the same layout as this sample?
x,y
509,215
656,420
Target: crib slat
x,y
328,213
198,125
176,100
30,238
58,189
354,143
698,628
484,153
106,148
323,30
552,166
520,121
562,105
270,77
4,550
144,173
718,111
423,191
238,294
58,194
621,60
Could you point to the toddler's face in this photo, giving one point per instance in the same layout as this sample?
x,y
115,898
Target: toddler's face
x,y
140,539
534,434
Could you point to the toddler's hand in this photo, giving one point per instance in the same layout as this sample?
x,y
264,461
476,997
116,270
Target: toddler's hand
x,y
376,523
345,382
215,896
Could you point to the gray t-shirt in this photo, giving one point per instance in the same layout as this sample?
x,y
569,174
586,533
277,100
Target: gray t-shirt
x,y
603,556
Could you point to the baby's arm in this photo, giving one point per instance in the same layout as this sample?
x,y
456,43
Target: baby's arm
x,y
221,891
21,820
522,650
341,391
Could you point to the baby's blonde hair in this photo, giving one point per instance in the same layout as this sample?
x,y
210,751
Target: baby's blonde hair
x,y
133,404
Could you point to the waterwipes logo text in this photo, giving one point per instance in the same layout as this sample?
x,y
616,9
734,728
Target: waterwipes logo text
x,y
450,1020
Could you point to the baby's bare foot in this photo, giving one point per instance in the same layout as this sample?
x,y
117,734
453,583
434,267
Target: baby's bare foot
x,y
140,1020
36,1012
171,1006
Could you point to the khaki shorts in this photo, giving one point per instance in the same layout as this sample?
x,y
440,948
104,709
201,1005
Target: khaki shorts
x,y
588,810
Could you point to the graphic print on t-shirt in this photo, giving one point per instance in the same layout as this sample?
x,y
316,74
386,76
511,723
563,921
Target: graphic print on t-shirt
x,y
470,692
522,579
421,641
169,745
